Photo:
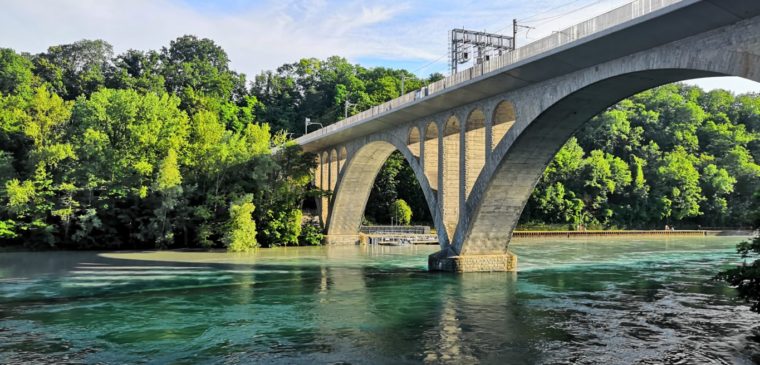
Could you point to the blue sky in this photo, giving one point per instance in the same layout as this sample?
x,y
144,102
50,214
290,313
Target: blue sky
x,y
261,35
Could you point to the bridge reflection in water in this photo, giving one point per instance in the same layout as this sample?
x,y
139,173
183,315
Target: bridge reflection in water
x,y
621,302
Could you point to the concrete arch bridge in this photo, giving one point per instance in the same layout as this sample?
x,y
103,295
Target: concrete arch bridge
x,y
478,141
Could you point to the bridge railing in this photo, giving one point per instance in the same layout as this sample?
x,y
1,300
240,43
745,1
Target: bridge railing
x,y
395,229
557,39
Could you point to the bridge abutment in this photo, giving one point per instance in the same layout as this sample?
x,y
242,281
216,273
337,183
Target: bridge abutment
x,y
342,239
443,261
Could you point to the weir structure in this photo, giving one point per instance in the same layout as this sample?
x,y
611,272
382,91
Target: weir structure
x,y
479,140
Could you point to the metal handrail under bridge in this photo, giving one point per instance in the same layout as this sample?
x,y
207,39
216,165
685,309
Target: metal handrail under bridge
x,y
587,28
401,239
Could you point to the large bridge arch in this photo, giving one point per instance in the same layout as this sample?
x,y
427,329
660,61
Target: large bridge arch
x,y
356,181
521,157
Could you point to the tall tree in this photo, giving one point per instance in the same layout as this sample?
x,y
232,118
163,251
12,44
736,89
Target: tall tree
x,y
75,69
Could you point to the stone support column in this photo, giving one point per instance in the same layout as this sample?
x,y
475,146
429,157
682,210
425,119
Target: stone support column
x,y
450,176
440,261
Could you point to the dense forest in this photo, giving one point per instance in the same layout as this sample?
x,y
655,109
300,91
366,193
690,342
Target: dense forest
x,y
167,148
672,155
172,148
144,149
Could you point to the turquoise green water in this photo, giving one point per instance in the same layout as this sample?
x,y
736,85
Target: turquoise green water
x,y
573,302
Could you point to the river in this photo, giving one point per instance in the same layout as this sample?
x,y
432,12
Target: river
x,y
612,301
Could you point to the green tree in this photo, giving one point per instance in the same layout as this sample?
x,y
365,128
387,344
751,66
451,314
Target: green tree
x,y
673,154
194,68
385,190
169,188
319,90
75,69
16,76
241,229
679,186
717,184
137,70
552,201
311,235
746,278
401,212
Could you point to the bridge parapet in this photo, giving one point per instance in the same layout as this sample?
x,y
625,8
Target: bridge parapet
x,y
626,13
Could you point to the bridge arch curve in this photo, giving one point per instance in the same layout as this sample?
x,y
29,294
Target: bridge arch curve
x,y
450,183
356,181
414,141
431,144
502,119
333,172
520,158
474,147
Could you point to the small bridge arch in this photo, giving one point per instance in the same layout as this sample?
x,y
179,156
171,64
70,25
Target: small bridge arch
x,y
355,184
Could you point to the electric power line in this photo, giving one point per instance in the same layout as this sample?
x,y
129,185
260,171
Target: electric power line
x,y
541,21
550,10
526,19
429,64
545,20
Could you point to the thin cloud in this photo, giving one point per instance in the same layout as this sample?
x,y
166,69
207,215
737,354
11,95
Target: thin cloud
x,y
263,35
257,36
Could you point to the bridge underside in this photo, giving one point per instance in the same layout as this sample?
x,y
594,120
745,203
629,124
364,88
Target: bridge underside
x,y
478,163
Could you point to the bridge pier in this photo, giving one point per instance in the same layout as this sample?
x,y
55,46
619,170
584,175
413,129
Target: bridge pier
x,y
444,261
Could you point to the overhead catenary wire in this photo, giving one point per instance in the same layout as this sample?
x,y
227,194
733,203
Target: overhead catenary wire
x,y
542,21
551,9
534,23
568,12
429,64
526,19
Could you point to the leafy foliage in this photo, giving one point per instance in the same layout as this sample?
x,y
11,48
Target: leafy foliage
x,y
155,148
241,233
396,180
746,278
672,155
319,90
145,149
401,212
311,234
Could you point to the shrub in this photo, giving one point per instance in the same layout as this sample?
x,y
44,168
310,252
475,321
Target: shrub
x,y
241,229
401,212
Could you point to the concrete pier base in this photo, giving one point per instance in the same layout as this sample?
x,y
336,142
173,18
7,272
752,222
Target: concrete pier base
x,y
342,239
441,261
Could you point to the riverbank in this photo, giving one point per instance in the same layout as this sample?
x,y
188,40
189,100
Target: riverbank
x,y
432,239
630,233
